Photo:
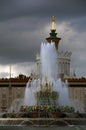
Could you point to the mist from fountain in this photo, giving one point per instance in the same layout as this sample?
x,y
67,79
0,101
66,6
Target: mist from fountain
x,y
49,69
48,58
31,88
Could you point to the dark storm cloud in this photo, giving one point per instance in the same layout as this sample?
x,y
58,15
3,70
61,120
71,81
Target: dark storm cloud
x,y
41,8
23,22
18,46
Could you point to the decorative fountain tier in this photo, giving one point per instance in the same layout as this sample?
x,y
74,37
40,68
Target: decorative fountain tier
x,y
47,109
43,97
47,103
46,96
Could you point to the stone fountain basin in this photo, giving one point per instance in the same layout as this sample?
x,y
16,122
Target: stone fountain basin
x,y
34,114
42,121
41,114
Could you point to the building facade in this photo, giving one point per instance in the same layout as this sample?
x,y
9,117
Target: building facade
x,y
77,93
64,59
12,93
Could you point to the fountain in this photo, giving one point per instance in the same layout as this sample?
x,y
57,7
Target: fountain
x,y
49,89
46,97
46,100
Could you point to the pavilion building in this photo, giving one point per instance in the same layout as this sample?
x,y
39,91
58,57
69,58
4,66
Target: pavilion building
x,y
63,58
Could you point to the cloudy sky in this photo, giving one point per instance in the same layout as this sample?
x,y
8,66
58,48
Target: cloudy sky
x,y
24,24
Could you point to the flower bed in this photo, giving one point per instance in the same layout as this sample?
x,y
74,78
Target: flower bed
x,y
47,109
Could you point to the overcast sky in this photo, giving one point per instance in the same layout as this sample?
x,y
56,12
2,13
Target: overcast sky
x,y
24,24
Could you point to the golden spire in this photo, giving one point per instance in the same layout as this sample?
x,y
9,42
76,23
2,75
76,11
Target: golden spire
x,y
53,23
